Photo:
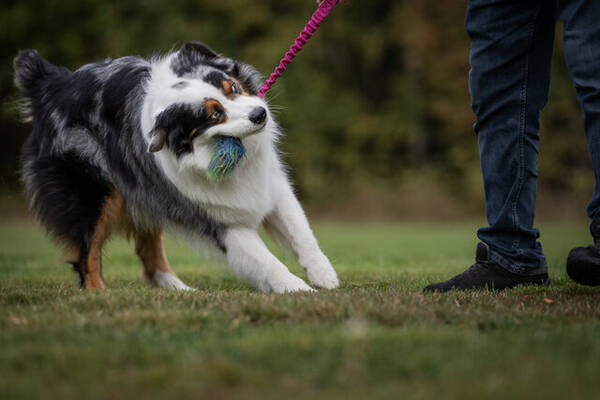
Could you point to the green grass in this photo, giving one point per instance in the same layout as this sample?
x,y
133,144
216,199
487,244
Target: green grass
x,y
377,337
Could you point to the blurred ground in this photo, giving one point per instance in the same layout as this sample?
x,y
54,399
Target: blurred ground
x,y
377,336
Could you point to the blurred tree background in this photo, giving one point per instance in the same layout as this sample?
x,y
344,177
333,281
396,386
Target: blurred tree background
x,y
375,109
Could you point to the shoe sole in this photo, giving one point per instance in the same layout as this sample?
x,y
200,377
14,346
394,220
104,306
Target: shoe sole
x,y
583,274
429,289
582,271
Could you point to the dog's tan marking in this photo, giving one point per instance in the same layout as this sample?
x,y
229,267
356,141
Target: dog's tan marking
x,y
227,86
212,105
109,217
150,250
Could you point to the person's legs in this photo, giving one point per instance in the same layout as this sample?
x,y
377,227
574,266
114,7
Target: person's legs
x,y
511,51
582,51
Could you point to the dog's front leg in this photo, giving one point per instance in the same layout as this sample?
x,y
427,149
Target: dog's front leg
x,y
252,262
289,222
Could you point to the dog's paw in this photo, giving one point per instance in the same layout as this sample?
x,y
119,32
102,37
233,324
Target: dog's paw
x,y
322,275
169,281
287,284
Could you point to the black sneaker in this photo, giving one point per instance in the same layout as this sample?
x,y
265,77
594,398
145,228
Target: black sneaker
x,y
485,274
583,263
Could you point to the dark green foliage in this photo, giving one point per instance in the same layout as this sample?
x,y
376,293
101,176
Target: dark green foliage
x,y
377,97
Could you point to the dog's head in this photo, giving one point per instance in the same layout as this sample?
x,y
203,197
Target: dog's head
x,y
195,96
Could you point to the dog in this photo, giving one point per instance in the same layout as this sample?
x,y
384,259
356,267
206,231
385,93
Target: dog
x,y
124,145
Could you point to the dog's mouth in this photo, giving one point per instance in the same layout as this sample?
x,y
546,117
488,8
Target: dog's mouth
x,y
240,132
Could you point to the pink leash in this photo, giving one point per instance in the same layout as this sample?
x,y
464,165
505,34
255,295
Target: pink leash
x,y
319,15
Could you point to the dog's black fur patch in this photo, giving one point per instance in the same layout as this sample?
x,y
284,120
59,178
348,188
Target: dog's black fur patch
x,y
216,78
117,88
190,56
179,120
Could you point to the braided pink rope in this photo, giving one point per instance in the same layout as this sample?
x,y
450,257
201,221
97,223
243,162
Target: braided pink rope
x,y
319,15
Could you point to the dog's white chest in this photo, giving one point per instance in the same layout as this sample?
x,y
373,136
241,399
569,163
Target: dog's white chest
x,y
245,197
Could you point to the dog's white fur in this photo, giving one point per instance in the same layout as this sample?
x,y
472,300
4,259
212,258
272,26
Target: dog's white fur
x,y
256,192
167,280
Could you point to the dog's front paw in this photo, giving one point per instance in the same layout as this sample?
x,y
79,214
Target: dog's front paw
x,y
169,281
287,284
321,274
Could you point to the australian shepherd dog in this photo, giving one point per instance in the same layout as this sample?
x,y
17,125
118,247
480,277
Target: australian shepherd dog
x,y
125,144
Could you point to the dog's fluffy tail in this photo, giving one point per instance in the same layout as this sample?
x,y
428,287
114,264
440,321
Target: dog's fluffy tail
x,y
31,70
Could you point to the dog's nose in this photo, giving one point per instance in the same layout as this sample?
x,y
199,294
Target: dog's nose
x,y
258,115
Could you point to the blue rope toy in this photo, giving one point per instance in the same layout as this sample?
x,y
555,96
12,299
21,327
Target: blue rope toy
x,y
227,153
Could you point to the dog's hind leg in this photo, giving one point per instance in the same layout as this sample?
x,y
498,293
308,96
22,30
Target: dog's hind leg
x,y
73,200
91,260
157,271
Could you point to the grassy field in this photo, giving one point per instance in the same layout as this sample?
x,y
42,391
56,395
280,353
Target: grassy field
x,y
377,337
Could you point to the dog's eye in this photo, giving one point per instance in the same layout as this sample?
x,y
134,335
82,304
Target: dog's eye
x,y
216,115
235,88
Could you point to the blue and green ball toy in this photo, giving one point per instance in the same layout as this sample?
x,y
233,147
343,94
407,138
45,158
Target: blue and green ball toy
x,y
227,154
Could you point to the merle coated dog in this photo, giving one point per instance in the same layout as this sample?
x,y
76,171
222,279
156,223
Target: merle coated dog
x,y
125,145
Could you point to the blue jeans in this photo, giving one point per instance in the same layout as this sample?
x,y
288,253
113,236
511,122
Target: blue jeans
x,y
511,52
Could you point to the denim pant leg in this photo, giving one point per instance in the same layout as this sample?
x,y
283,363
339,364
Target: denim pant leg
x,y
511,52
582,52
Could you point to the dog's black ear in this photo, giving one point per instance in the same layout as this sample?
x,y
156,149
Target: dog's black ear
x,y
190,56
194,47
158,136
